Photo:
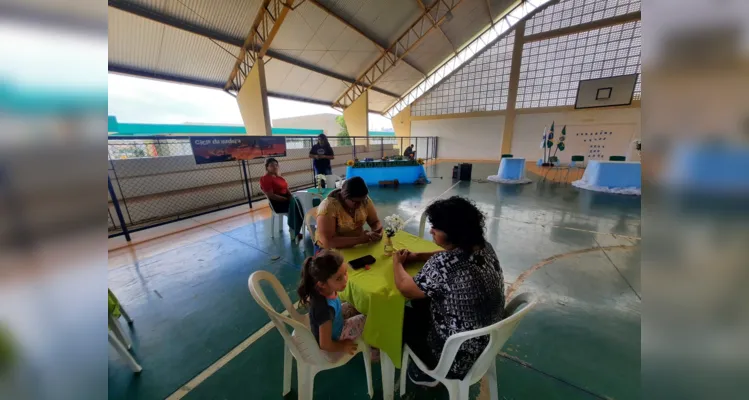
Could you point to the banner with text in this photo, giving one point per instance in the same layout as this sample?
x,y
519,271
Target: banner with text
x,y
211,149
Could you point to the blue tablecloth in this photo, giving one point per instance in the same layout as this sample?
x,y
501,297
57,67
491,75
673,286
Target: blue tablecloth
x,y
376,174
714,167
512,168
612,174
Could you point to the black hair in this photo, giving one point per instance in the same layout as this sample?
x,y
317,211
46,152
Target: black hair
x,y
318,268
354,188
460,219
269,161
323,136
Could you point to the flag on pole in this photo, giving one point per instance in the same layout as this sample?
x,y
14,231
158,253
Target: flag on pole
x,y
543,139
560,143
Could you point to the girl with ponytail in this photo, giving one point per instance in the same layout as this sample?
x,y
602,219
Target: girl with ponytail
x,y
335,325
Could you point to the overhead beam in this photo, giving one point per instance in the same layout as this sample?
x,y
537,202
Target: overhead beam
x,y
321,71
144,73
601,23
489,11
380,46
406,42
268,21
211,34
299,98
423,8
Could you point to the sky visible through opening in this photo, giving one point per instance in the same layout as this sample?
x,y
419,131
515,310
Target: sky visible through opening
x,y
140,100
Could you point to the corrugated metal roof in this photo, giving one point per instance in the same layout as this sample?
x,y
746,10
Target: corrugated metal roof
x,y
399,79
470,18
148,45
431,52
379,102
233,17
311,35
314,55
382,20
287,79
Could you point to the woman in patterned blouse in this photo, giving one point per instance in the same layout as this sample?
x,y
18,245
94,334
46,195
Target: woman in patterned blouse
x,y
341,217
459,289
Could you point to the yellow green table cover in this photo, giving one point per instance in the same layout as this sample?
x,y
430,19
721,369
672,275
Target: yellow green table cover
x,y
113,304
374,294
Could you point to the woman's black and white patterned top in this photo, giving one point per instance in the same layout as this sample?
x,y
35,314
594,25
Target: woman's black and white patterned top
x,y
466,293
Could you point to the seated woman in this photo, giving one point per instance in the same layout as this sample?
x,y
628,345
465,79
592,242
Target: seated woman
x,y
275,187
459,289
341,217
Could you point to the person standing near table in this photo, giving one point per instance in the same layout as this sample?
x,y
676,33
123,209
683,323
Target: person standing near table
x,y
409,152
459,289
321,154
341,217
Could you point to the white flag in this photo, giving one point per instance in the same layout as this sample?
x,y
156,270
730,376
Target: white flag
x,y
543,139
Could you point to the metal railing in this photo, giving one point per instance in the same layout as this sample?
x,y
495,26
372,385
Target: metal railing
x,y
155,180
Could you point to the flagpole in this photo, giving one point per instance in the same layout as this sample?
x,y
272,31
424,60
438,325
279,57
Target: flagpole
x,y
543,144
564,132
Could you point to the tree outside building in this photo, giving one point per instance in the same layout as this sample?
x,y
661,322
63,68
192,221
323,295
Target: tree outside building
x,y
343,134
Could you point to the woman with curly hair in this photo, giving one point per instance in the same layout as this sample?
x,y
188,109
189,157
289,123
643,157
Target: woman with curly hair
x,y
459,289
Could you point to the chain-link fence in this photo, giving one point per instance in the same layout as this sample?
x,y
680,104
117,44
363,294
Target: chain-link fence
x,y
155,180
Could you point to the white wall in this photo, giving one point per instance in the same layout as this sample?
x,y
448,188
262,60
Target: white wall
x,y
478,138
326,122
624,123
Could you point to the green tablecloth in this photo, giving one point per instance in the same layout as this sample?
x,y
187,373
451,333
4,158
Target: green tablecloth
x,y
323,192
113,304
293,220
374,294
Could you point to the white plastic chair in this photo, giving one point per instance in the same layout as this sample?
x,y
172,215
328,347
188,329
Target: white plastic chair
x,y
120,341
301,343
337,181
486,363
422,224
273,217
310,222
304,203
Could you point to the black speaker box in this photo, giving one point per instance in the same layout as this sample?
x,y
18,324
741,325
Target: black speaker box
x,y
465,171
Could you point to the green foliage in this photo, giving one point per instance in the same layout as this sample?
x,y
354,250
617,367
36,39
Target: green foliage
x,y
138,152
7,350
343,134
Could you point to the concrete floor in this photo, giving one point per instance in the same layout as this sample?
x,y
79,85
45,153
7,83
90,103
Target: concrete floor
x,y
578,251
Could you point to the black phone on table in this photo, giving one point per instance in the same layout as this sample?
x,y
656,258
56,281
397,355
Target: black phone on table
x,y
361,262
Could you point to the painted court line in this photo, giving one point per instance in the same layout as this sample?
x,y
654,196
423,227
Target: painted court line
x,y
421,210
201,377
519,281
566,227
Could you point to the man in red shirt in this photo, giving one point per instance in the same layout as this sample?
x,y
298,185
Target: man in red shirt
x,y
275,187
